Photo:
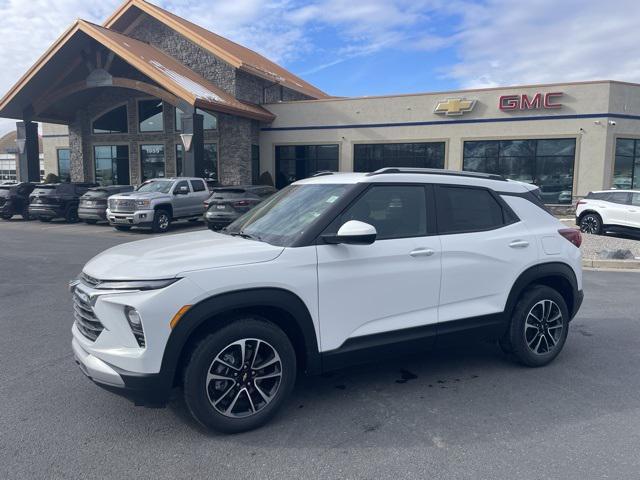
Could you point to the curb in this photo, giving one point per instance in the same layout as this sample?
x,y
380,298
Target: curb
x,y
614,264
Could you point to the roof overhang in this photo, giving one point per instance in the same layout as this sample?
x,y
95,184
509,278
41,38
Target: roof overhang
x,y
236,55
165,71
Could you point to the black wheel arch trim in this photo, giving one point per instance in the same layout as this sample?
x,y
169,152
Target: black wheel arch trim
x,y
541,271
227,302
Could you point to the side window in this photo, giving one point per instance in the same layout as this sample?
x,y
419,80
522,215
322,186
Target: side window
x,y
618,197
198,186
635,199
395,211
462,209
181,184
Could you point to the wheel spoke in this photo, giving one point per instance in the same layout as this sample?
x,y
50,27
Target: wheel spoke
x,y
215,376
223,395
233,402
548,337
264,396
272,375
255,353
226,364
253,408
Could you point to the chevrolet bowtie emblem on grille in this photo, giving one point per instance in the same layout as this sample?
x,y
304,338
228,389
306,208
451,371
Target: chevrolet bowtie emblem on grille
x,y
455,106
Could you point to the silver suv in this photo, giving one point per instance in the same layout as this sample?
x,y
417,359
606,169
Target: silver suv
x,y
158,202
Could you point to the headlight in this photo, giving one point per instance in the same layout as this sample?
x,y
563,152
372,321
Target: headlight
x,y
134,284
135,322
143,203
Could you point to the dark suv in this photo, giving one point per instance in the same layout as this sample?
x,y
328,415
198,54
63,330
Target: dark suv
x,y
57,200
93,204
14,200
228,203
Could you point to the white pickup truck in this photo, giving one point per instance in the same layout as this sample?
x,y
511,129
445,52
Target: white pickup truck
x,y
158,202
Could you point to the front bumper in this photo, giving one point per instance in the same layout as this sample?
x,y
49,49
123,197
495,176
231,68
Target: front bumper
x,y
139,218
142,389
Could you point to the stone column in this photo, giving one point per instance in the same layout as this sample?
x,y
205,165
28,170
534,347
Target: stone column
x,y
28,161
193,159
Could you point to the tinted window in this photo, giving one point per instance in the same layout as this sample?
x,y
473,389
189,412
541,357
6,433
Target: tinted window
x,y
635,199
114,121
152,157
372,157
64,164
462,209
617,197
395,211
294,162
150,116
198,185
180,185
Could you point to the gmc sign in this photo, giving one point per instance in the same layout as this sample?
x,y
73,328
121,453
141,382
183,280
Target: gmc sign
x,y
526,102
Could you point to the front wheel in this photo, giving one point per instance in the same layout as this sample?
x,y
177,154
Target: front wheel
x,y
591,223
539,326
161,221
239,376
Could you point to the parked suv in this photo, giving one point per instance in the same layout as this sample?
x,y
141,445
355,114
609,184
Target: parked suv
x,y
93,204
57,200
158,202
227,204
609,210
14,200
332,270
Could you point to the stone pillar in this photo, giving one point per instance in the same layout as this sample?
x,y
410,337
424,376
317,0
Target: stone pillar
x,y
28,161
234,149
81,155
193,159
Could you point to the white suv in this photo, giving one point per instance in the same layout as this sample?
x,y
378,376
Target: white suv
x,y
609,210
333,270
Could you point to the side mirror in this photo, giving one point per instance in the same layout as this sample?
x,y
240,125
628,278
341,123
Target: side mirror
x,y
182,191
353,232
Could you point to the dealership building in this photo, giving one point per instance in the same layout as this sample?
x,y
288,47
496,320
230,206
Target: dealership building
x,y
149,94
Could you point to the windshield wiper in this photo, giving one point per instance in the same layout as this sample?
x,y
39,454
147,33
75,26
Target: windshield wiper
x,y
245,235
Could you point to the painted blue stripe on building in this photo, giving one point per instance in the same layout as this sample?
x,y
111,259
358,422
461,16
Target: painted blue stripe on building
x,y
455,122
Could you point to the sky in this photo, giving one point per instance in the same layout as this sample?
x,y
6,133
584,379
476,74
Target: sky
x,y
376,47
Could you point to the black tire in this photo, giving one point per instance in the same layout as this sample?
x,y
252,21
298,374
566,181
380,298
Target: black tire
x,y
201,393
71,216
161,221
90,222
526,335
25,215
591,223
7,217
122,228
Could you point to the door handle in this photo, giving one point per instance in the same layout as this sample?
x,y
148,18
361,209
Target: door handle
x,y
422,252
519,244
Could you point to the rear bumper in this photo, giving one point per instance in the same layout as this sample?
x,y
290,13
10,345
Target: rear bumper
x,y
215,219
46,211
142,389
92,213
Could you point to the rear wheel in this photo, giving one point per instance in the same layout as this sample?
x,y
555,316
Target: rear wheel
x,y
161,221
122,228
539,326
239,376
591,223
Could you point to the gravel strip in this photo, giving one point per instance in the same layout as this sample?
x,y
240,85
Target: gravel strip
x,y
592,244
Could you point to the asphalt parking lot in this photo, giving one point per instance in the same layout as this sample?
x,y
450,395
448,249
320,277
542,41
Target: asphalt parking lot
x,y
468,413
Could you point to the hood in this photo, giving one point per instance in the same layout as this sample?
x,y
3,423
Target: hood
x,y
139,195
168,256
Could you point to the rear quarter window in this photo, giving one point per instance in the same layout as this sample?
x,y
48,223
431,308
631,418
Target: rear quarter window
x,y
465,209
198,185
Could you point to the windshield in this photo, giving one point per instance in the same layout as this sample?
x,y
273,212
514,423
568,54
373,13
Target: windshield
x,y
162,186
287,215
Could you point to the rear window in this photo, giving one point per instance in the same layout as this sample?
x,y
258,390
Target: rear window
x,y
44,190
231,193
198,186
463,209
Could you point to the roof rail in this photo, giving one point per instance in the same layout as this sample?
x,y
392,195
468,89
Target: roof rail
x,y
323,173
437,171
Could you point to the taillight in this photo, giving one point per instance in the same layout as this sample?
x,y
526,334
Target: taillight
x,y
241,203
572,234
582,202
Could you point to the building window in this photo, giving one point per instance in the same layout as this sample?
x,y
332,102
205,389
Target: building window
x,y
64,164
255,164
372,157
112,164
209,120
114,121
152,159
211,161
545,163
150,116
626,169
7,169
179,159
294,162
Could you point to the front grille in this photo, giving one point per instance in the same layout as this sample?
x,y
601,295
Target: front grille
x,y
86,320
123,206
88,280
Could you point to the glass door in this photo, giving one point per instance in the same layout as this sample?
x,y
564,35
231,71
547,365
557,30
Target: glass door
x,y
112,164
153,161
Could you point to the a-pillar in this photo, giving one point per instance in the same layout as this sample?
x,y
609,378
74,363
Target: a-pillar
x,y
28,164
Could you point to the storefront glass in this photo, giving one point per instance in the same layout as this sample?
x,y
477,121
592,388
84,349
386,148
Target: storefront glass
x,y
372,157
150,116
152,159
546,163
294,162
64,164
112,164
626,170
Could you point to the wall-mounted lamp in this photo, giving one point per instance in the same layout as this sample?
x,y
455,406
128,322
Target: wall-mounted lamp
x,y
21,142
187,140
612,123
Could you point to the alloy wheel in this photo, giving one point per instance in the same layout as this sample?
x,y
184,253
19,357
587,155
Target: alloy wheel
x,y
244,378
163,221
543,327
589,224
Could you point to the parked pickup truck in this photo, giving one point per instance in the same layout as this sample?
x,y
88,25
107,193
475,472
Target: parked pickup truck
x,y
158,202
